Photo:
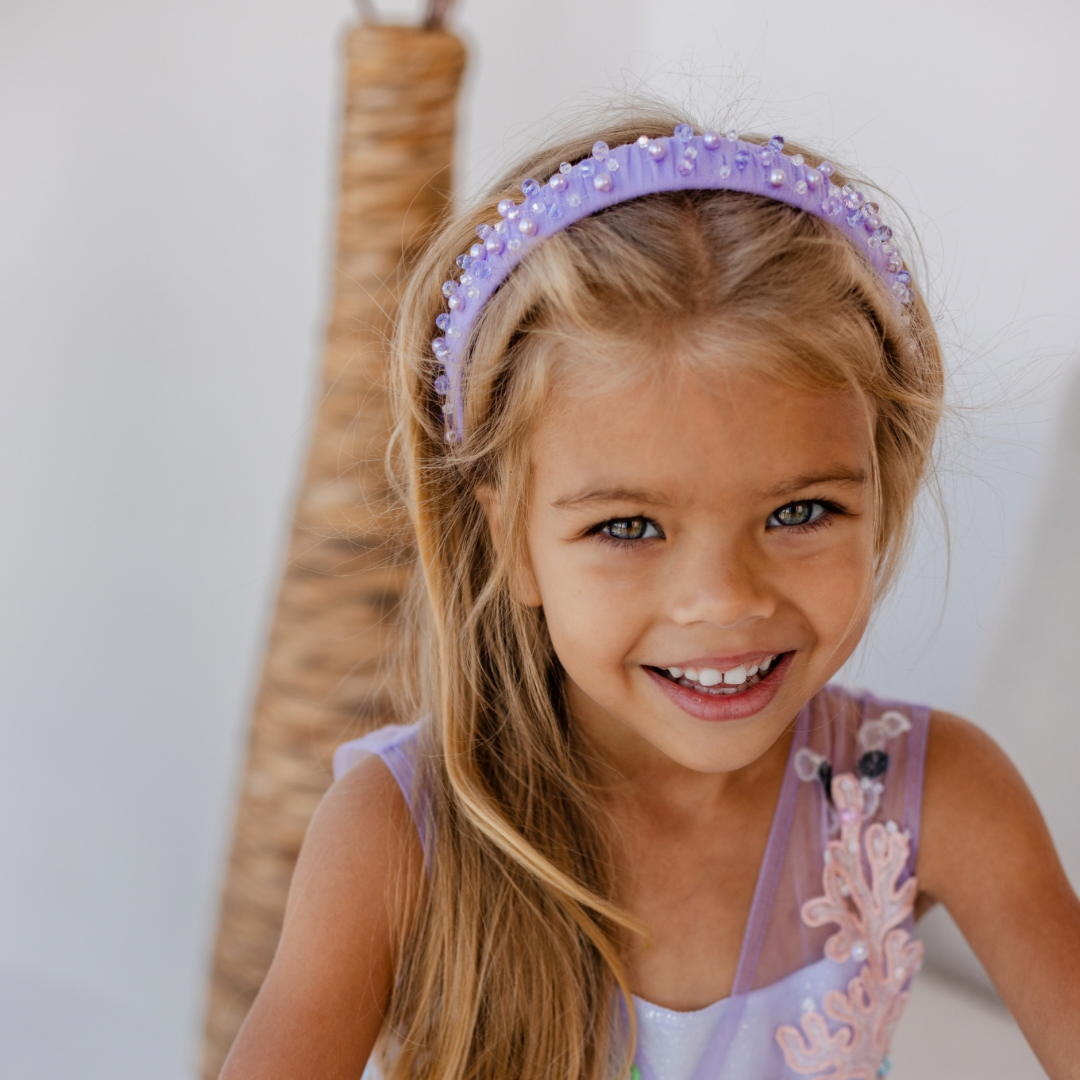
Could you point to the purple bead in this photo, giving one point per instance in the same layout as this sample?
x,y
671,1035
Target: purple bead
x,y
776,143
600,150
826,168
853,198
903,277
558,182
777,177
814,178
449,288
443,321
883,233
477,252
529,187
442,385
658,149
494,244
872,208
505,206
742,159
710,140
603,182
483,231
684,133
856,218
831,205
527,226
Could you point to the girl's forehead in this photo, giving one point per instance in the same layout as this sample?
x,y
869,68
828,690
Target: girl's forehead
x,y
741,429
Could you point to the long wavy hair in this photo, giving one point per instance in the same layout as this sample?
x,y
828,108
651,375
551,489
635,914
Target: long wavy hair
x,y
511,948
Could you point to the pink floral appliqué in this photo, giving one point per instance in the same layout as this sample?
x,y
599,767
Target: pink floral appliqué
x,y
868,909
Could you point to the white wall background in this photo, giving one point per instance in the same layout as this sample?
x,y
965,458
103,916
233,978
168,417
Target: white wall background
x,y
167,174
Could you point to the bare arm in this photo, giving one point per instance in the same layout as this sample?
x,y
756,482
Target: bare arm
x,y
322,1004
986,854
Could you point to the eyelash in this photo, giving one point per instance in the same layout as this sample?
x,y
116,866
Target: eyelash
x,y
831,511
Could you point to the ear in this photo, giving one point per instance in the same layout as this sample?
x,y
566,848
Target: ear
x,y
523,586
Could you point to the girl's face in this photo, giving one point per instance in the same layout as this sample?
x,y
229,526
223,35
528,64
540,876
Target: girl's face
x,y
704,557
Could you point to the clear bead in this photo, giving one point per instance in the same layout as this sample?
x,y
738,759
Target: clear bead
x,y
684,133
798,160
501,227
515,244
473,293
449,288
537,207
481,271
439,347
483,231
884,233
586,167
442,385
611,165
600,150
529,187
462,262
685,166
800,187
643,141
873,241
574,199
724,172
853,197
765,156
514,213
831,205
710,140
732,136
443,322
565,167
690,152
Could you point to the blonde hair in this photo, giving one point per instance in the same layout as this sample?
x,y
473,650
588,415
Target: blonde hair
x,y
510,953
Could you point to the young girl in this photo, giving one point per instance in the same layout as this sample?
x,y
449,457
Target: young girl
x,y
660,461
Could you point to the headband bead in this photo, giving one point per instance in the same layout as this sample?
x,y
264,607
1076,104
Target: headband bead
x,y
617,174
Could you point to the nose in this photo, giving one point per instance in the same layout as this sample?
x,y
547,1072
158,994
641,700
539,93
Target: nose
x,y
726,587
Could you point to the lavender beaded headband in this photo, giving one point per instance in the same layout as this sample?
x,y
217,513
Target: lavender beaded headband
x,y
645,167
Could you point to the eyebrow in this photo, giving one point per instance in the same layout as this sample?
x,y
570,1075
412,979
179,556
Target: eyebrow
x,y
838,474
639,496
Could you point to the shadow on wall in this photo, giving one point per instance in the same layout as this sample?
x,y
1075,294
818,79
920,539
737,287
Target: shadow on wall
x,y
1026,696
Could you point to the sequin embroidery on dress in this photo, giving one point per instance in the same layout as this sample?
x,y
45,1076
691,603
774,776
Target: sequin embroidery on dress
x,y
866,901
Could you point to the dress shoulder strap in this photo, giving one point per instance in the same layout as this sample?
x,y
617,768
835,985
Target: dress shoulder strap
x,y
396,745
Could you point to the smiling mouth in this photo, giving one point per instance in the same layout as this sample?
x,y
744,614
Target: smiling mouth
x,y
723,683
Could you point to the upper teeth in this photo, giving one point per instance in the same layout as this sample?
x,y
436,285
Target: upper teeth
x,y
712,677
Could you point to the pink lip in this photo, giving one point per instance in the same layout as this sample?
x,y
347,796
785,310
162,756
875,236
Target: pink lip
x,y
718,707
722,663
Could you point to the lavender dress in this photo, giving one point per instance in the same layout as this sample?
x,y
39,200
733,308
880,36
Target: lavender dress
x,y
828,953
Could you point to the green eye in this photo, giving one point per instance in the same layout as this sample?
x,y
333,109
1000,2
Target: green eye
x,y
795,514
635,528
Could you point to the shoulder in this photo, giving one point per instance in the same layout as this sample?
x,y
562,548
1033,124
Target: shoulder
x,y
321,1005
